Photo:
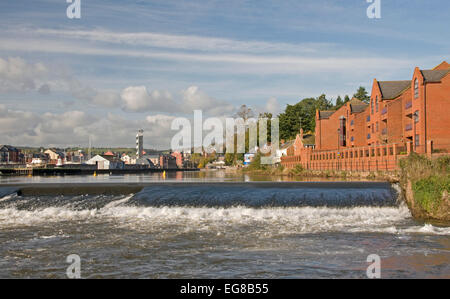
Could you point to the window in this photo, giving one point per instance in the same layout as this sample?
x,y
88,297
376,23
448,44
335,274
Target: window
x,y
377,126
376,103
371,105
373,128
416,140
416,116
416,88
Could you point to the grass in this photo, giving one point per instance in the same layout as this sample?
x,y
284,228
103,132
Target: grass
x,y
428,192
429,179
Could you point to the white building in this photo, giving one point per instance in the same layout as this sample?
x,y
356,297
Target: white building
x,y
282,151
106,162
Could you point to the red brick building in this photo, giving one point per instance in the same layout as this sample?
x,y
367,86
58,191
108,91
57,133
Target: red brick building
x,y
402,116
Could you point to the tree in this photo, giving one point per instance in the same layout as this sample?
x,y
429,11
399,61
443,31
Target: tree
x,y
301,115
245,112
346,99
362,95
339,102
268,124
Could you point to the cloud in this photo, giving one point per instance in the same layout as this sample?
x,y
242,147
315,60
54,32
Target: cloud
x,y
272,106
74,128
181,42
195,99
230,62
139,99
16,75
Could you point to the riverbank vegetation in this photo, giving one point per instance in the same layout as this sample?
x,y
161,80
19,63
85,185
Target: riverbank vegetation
x,y
426,185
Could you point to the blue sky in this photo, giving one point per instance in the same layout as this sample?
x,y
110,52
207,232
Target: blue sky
x,y
131,64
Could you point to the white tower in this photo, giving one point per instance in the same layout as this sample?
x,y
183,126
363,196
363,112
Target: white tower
x,y
140,143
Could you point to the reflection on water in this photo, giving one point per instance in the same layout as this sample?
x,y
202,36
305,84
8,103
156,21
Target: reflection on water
x,y
178,176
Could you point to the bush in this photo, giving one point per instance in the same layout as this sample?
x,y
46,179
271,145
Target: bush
x,y
428,192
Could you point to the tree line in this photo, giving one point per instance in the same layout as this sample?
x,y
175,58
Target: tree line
x,y
303,114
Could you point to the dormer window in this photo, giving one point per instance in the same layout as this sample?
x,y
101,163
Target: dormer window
x,y
416,88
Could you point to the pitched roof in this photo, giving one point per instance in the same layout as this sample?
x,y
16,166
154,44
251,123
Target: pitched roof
x,y
357,106
392,89
325,114
442,66
8,148
434,75
287,144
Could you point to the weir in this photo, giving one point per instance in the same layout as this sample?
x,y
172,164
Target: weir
x,y
254,194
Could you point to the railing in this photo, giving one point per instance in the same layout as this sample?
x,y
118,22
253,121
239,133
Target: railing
x,y
408,127
370,158
384,111
408,105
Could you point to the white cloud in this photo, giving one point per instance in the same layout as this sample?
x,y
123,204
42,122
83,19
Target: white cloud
x,y
16,75
138,99
230,62
272,106
73,128
183,42
195,99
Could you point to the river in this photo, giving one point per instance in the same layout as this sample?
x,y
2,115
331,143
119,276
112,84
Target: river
x,y
216,225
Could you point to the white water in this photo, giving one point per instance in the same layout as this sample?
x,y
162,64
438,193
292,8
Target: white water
x,y
299,220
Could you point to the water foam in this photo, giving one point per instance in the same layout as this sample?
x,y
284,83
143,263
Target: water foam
x,y
300,219
284,220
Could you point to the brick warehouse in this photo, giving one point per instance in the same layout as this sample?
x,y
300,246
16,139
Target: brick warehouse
x,y
402,117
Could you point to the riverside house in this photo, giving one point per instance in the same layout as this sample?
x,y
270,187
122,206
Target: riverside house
x,y
403,116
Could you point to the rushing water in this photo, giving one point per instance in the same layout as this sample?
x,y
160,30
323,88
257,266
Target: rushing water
x,y
241,230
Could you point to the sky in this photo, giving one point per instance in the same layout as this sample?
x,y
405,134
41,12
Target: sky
x,y
126,65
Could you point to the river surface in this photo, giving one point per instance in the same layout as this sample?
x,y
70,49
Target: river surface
x,y
217,230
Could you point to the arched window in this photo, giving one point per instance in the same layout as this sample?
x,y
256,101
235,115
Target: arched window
x,y
416,88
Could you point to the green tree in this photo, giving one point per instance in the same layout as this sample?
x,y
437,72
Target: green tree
x,y
362,95
346,99
301,115
339,102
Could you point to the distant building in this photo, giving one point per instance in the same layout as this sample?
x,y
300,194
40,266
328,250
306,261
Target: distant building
x,y
282,151
144,161
140,144
106,162
9,154
248,158
76,157
167,162
55,156
39,159
126,159
154,158
179,158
